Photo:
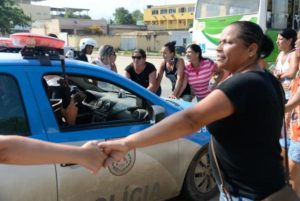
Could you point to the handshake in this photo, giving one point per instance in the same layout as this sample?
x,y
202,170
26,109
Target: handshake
x,y
94,155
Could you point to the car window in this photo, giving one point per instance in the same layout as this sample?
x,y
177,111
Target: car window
x,y
88,102
12,116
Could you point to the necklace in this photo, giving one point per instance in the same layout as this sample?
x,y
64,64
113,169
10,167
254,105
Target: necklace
x,y
170,66
285,56
249,67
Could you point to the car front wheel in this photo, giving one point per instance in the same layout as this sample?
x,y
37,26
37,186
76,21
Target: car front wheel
x,y
199,183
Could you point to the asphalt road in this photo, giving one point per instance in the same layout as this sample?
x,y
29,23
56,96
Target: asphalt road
x,y
123,61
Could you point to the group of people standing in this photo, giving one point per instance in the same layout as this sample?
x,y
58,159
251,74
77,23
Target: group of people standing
x,y
286,70
187,80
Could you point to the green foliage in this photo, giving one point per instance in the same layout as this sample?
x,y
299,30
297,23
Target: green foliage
x,y
111,21
137,15
70,14
94,29
11,15
122,16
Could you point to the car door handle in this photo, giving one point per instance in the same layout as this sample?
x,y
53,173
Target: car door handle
x,y
67,164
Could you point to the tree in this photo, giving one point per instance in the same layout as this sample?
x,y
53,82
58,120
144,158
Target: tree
x,y
11,16
69,13
95,29
122,16
137,15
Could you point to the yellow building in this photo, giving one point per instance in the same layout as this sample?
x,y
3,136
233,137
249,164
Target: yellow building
x,y
176,16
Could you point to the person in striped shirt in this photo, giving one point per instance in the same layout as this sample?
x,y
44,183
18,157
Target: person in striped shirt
x,y
198,72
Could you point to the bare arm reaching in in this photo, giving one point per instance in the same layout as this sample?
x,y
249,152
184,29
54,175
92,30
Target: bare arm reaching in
x,y
25,151
215,106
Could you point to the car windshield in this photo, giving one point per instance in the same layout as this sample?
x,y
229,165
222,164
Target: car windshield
x,y
218,8
89,84
83,83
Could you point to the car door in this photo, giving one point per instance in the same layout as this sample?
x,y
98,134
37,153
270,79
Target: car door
x,y
19,116
146,174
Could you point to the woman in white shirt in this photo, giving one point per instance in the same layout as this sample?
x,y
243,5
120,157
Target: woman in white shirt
x,y
286,65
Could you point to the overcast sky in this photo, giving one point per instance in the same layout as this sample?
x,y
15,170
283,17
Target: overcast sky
x,y
106,8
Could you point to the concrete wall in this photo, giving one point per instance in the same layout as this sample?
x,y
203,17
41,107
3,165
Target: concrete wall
x,y
115,41
152,43
82,24
149,41
46,26
36,12
146,42
60,25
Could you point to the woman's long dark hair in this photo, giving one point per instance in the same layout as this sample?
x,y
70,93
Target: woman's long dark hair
x,y
196,48
288,34
171,46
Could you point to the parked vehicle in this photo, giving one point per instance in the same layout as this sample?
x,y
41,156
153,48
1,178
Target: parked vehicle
x,y
180,50
270,15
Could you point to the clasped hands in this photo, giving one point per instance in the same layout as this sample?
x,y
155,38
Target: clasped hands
x,y
96,155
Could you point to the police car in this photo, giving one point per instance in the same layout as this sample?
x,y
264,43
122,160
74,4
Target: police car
x,y
36,87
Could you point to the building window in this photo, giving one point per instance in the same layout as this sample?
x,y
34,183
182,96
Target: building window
x,y
182,10
191,9
154,12
172,10
163,11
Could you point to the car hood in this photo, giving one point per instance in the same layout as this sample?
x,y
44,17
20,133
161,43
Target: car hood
x,y
202,136
179,103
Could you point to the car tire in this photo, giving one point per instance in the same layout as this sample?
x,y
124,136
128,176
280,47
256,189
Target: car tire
x,y
199,183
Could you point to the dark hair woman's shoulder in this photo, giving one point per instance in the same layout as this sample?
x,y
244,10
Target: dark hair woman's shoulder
x,y
243,84
245,78
150,65
129,68
272,78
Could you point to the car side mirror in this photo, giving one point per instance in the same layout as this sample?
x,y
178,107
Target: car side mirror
x,y
157,113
